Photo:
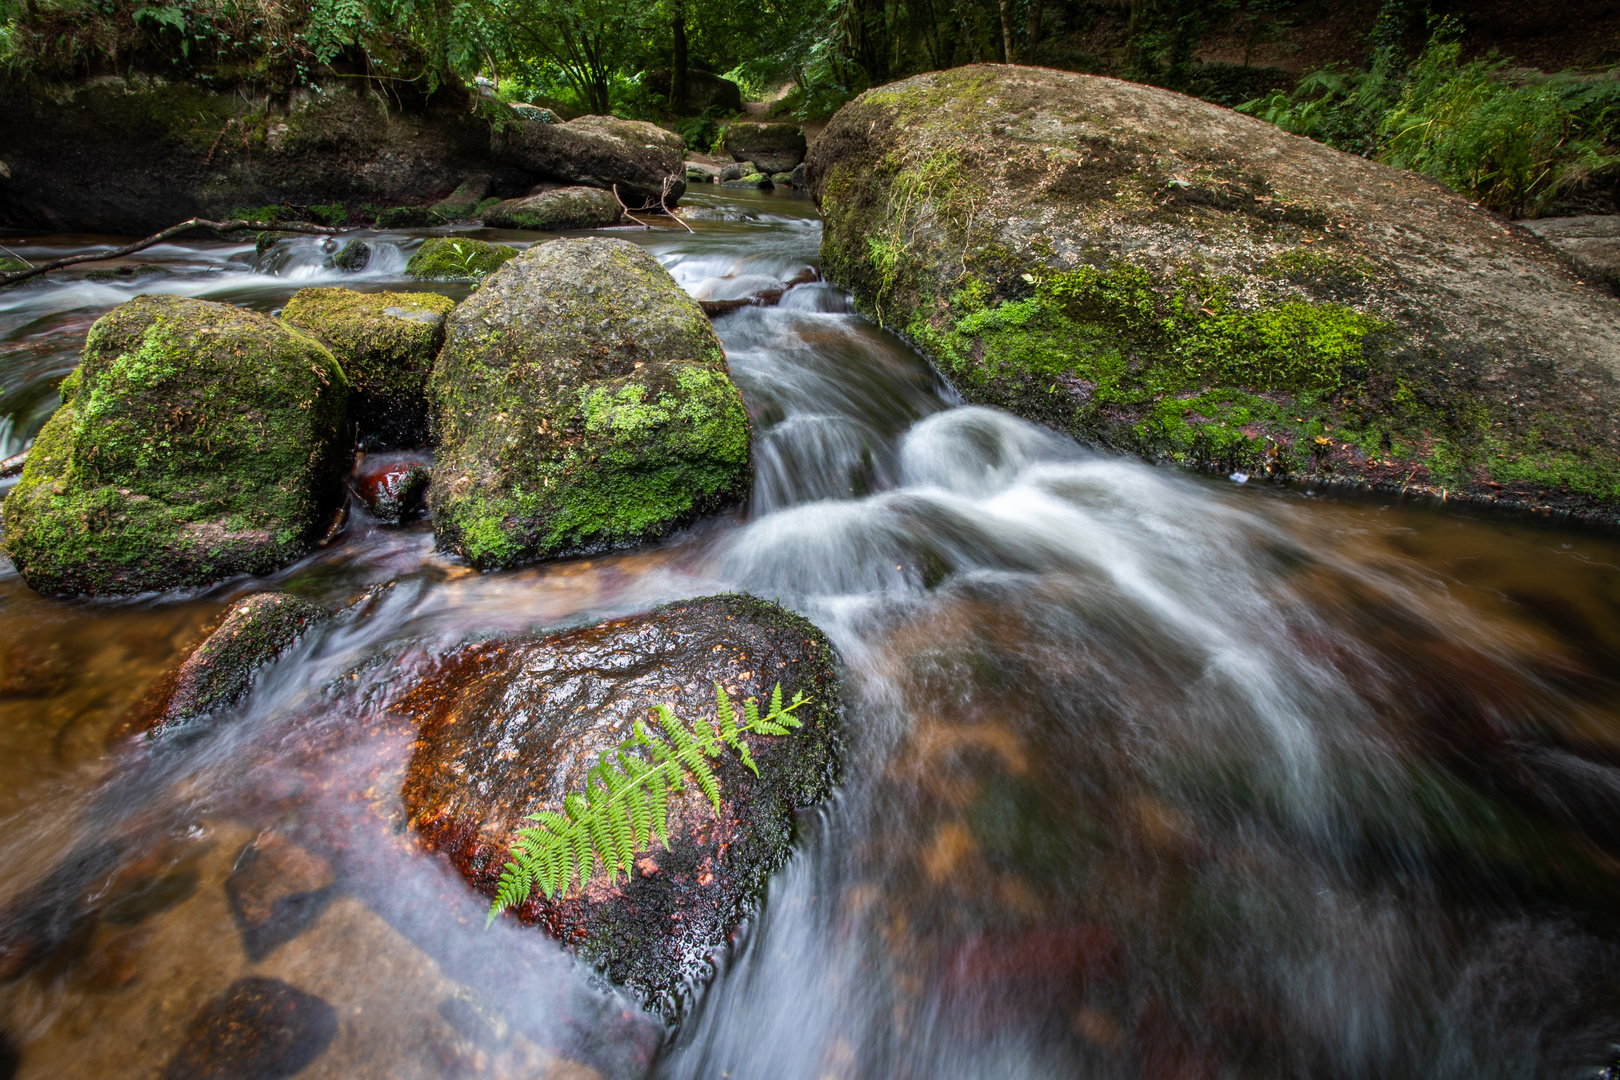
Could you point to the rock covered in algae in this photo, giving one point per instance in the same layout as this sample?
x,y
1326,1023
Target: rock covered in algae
x,y
509,727
195,441
582,401
447,258
562,208
1170,278
385,343
259,1029
220,671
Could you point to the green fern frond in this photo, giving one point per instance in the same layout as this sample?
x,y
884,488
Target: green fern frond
x,y
626,798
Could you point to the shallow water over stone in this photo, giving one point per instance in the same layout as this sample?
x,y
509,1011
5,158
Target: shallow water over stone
x,y
1149,774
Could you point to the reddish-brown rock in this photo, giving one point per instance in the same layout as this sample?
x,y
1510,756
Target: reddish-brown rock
x,y
393,486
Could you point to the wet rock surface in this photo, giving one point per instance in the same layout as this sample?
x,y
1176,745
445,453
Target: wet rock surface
x,y
447,258
773,148
219,673
561,208
1592,241
582,401
393,486
385,342
643,160
509,727
1169,278
195,441
277,890
259,1029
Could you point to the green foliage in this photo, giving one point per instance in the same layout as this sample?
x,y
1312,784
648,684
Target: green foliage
x,y
626,799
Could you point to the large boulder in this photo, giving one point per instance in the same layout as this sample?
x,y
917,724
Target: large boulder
x,y
582,401
773,148
642,160
195,441
560,208
509,727
1167,277
704,90
385,343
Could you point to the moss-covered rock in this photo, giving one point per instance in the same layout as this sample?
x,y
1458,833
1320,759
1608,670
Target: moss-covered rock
x,y
1164,276
508,727
446,258
195,441
353,256
561,208
773,148
385,343
642,160
582,401
463,202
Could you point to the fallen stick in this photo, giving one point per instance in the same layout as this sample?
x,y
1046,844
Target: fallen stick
x,y
157,238
13,465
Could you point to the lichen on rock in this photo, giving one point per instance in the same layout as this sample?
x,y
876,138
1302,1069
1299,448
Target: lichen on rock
x,y
582,401
385,343
195,441
1162,276
457,258
561,208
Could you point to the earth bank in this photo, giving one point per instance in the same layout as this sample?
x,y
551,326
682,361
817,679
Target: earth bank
x,y
1166,277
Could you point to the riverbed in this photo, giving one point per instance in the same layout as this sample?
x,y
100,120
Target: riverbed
x,y
1147,773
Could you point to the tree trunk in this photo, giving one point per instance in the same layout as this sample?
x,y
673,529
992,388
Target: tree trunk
x,y
677,67
1034,28
1009,48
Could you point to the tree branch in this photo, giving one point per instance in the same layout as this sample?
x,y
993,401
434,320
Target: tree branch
x,y
157,238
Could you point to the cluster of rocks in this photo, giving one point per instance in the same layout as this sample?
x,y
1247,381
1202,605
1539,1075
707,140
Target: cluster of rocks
x,y
763,156
579,400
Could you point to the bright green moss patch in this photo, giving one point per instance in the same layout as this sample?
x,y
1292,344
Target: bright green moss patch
x,y
195,441
457,259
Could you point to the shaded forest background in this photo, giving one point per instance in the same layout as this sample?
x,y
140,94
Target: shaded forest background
x,y
1514,101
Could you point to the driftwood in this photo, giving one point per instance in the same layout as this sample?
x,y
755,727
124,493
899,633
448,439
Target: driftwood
x,y
763,298
13,465
663,202
157,238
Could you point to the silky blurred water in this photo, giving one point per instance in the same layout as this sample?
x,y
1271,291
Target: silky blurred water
x,y
1148,774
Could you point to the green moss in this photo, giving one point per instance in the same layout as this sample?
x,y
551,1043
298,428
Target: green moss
x,y
457,259
330,214
8,265
195,441
408,217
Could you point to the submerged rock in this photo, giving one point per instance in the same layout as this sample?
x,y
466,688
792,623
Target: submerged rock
x,y
561,208
277,890
220,671
643,160
393,486
1169,278
582,401
446,258
773,148
259,1029
385,343
509,727
195,441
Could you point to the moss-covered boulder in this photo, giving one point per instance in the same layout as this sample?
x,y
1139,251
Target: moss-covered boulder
x,y
510,726
582,401
1164,276
561,208
645,162
455,258
195,441
773,148
463,202
385,343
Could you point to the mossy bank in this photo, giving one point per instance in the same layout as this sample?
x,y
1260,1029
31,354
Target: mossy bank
x,y
1159,275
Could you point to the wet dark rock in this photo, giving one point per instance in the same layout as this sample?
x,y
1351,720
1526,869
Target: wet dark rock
x,y
457,258
736,171
50,916
796,177
30,669
385,343
773,148
1172,279
643,160
259,1029
146,897
393,486
408,217
129,273
1592,241
353,256
560,208
704,90
701,172
195,441
219,673
510,726
268,239
463,202
277,890
582,401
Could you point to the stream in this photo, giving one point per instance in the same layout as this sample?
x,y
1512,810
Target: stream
x,y
1147,774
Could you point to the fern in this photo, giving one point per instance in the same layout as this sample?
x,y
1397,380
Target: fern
x,y
626,797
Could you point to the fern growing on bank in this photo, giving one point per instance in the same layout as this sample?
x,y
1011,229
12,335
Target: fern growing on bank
x,y
626,799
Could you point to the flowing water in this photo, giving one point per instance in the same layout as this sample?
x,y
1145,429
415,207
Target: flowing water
x,y
1148,774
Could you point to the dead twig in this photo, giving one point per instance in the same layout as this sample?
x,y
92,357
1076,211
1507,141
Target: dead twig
x,y
663,200
626,209
157,238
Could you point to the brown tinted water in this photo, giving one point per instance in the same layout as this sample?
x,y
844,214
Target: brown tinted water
x,y
1147,774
